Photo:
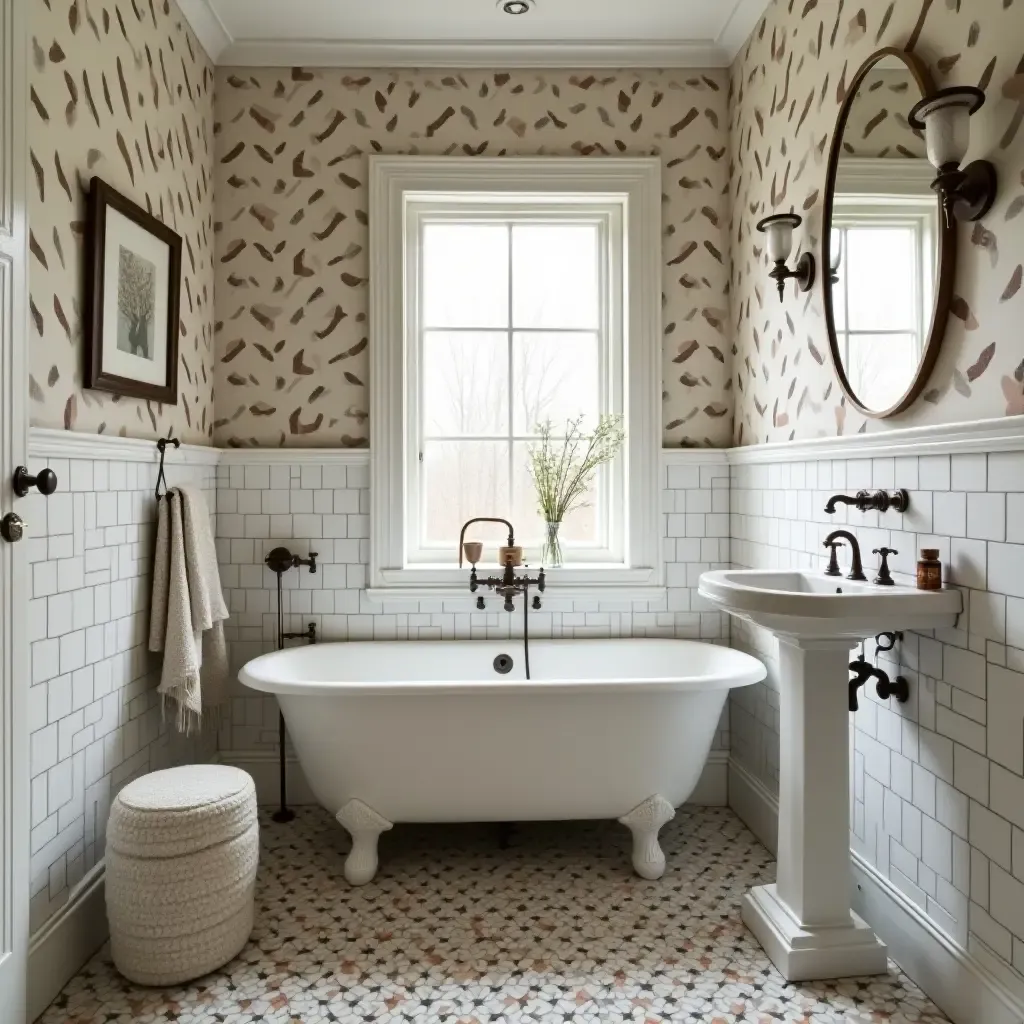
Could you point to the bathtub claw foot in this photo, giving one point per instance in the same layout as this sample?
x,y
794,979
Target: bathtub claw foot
x,y
645,821
364,825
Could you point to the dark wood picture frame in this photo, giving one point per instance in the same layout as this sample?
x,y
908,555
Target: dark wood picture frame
x,y
102,197
947,248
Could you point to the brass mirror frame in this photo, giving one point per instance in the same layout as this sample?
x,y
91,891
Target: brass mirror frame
x,y
947,244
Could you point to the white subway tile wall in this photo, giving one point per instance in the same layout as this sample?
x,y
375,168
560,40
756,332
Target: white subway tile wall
x,y
938,782
95,720
325,508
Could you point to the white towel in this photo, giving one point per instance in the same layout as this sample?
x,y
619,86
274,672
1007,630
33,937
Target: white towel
x,y
188,609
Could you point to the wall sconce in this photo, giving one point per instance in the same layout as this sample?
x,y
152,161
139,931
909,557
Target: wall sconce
x,y
966,193
835,256
779,229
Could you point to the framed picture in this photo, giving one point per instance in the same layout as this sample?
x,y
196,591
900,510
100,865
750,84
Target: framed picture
x,y
133,293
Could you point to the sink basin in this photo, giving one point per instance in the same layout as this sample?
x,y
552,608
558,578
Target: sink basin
x,y
811,604
805,920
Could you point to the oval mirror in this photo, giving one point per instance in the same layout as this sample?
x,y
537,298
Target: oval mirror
x,y
888,256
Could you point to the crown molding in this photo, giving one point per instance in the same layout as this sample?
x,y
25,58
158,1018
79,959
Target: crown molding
x,y
741,24
223,49
45,443
978,436
207,26
475,54
860,175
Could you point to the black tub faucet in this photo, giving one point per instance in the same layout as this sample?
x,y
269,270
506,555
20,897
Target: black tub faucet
x,y
856,567
862,672
280,560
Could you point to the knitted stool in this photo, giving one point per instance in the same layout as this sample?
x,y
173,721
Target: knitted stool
x,y
182,851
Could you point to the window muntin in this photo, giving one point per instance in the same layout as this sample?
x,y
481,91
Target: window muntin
x,y
513,315
880,322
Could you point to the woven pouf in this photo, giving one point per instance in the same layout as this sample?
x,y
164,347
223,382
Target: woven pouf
x,y
182,851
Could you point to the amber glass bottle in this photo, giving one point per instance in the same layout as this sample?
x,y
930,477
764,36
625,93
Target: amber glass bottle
x,y
929,570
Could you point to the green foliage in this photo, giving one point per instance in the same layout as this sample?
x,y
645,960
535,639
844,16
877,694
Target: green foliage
x,y
562,469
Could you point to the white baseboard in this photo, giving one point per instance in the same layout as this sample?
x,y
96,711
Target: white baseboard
x,y
66,942
712,790
964,987
756,805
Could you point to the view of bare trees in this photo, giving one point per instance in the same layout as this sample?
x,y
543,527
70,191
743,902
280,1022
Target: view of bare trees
x,y
492,369
136,298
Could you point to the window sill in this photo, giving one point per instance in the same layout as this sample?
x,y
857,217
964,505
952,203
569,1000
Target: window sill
x,y
593,583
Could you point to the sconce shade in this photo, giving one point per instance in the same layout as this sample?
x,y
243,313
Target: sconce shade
x,y
779,229
945,118
835,256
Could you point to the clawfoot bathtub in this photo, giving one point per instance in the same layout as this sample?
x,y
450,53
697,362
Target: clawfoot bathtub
x,y
439,731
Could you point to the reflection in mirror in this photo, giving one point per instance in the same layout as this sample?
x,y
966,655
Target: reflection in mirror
x,y
884,241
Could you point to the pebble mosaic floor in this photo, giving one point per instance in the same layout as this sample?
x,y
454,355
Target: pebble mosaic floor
x,y
555,928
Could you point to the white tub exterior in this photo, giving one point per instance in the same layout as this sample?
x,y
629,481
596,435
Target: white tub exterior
x,y
428,731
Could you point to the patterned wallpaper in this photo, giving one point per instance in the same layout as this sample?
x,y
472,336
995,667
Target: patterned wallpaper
x,y
878,125
124,91
292,356
787,85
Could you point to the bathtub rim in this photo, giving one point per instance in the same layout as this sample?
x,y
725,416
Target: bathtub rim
x,y
745,671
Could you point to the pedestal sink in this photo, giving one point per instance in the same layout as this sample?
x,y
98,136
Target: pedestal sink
x,y
804,921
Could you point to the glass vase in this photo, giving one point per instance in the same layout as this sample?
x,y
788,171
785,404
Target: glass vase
x,y
551,557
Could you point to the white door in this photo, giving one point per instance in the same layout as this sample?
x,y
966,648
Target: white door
x,y
14,588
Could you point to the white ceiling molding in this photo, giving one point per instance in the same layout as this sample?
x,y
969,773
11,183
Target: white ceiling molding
x,y
741,23
207,26
224,49
465,54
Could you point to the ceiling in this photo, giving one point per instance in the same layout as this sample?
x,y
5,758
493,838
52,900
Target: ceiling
x,y
468,33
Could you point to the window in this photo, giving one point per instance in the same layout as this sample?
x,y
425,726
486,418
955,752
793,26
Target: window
x,y
505,293
880,322
884,234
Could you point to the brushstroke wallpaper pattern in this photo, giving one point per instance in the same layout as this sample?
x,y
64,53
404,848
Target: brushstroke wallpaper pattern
x,y
787,85
123,91
292,338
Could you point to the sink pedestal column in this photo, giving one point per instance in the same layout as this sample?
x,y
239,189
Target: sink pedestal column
x,y
804,921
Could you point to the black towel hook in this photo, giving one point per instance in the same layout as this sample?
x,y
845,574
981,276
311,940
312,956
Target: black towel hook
x,y
162,446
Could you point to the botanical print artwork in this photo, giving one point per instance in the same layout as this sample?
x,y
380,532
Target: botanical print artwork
x,y
136,304
292,146
123,92
456,929
787,84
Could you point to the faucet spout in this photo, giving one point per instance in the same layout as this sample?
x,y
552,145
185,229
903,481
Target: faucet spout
x,y
856,567
485,519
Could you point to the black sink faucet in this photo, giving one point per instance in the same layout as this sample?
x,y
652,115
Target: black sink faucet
x,y
856,566
866,501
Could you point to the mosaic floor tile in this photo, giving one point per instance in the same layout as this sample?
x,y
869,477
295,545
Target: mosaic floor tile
x,y
553,929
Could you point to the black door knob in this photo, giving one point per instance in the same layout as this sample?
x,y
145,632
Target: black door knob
x,y
45,481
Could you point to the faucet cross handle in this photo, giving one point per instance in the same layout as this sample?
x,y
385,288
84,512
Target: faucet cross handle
x,y
833,561
884,577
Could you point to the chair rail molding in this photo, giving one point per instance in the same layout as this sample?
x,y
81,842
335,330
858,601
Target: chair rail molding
x,y
975,436
47,443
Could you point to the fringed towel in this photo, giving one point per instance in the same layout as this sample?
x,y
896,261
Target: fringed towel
x,y
188,609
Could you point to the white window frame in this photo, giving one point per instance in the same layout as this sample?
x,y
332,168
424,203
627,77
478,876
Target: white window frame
x,y
401,185
892,192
